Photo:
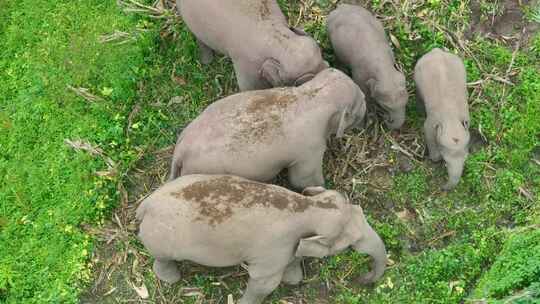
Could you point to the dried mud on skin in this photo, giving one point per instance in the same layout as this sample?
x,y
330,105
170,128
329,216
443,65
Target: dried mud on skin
x,y
218,199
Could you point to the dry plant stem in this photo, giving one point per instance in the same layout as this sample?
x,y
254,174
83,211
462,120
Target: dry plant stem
x,y
85,93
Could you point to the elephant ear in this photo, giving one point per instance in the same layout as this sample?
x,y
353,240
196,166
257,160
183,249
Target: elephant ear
x,y
439,130
316,247
342,125
372,86
465,124
312,191
298,31
271,71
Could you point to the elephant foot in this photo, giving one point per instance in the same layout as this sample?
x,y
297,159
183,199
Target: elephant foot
x,y
367,278
293,275
435,158
166,271
449,186
206,57
206,54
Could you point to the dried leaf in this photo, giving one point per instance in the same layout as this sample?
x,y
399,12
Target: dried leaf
x,y
395,41
141,291
176,100
85,93
191,292
405,215
179,80
526,193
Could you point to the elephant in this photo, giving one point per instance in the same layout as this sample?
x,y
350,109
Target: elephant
x,y
257,134
359,42
441,83
255,34
224,220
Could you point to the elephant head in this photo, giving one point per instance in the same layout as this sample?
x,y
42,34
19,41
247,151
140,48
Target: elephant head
x,y
453,138
297,63
391,94
355,233
351,114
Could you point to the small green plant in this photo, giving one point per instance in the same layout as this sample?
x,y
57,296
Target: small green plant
x,y
535,13
517,268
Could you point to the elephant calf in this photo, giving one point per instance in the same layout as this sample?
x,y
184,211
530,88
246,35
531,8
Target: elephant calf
x,y
360,42
441,82
222,220
256,134
265,51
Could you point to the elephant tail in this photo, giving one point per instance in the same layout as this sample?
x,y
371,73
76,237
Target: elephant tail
x,y
176,164
141,210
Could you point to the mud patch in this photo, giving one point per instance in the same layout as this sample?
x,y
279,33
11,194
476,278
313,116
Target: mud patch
x,y
264,10
507,21
216,199
273,100
262,119
260,9
313,92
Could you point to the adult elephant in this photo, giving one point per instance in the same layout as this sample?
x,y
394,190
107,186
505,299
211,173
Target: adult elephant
x,y
265,51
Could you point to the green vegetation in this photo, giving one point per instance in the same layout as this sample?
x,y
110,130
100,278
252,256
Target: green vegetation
x,y
516,268
480,241
49,192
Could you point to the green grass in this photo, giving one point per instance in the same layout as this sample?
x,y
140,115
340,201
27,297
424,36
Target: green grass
x,y
455,247
49,191
516,268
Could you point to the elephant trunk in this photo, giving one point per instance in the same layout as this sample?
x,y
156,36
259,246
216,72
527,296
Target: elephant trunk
x,y
396,119
455,170
373,245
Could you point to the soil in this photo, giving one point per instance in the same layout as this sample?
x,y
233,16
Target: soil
x,y
511,23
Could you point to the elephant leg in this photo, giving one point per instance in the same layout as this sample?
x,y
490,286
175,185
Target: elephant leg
x,y
259,288
431,141
175,170
308,172
420,106
293,273
247,80
205,52
166,270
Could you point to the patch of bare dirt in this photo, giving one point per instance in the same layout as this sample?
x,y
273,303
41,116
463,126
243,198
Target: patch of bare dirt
x,y
508,23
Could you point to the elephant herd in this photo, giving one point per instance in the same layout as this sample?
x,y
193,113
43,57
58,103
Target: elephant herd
x,y
218,208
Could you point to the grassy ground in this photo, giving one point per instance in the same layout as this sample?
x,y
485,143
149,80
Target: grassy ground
x,y
444,247
50,192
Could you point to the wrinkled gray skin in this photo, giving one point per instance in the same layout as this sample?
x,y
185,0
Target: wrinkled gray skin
x,y
222,220
257,134
441,83
360,43
265,51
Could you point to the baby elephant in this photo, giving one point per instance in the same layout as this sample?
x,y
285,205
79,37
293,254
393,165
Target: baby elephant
x,y
442,90
360,42
265,51
221,220
256,134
